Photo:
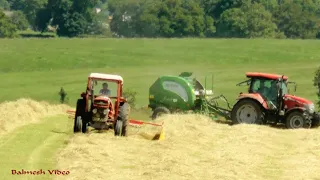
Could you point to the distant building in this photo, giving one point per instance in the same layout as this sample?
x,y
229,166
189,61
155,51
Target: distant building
x,y
98,10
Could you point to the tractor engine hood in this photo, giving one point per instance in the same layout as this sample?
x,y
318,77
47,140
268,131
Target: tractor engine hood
x,y
101,101
293,101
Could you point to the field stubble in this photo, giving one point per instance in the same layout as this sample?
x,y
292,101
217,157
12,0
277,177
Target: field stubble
x,y
196,148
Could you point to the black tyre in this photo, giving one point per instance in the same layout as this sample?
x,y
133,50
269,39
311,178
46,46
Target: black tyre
x,y
159,111
248,112
84,126
315,121
122,121
80,111
78,124
296,120
118,128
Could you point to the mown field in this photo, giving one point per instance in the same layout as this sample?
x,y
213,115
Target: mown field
x,y
38,68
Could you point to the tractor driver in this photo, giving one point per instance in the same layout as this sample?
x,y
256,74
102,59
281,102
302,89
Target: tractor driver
x,y
270,93
105,91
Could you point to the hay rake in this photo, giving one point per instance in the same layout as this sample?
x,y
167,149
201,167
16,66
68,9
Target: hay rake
x,y
134,123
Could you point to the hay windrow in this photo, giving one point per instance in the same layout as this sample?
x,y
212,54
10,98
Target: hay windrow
x,y
17,113
195,148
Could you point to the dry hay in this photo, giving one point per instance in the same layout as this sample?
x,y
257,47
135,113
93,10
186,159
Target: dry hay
x,y
24,111
195,148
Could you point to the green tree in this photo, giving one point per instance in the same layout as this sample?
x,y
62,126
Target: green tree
x,y
19,19
248,21
7,28
17,5
167,18
125,16
29,8
297,20
4,4
215,8
316,83
72,17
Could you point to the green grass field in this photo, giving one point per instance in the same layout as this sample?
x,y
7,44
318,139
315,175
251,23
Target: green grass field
x,y
38,68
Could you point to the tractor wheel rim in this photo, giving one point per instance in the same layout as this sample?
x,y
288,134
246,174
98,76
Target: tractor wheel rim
x,y
247,114
296,122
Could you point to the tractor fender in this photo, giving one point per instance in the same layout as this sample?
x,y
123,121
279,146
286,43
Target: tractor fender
x,y
255,97
302,109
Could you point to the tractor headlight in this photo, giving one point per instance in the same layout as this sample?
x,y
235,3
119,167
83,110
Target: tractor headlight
x,y
94,111
106,111
309,108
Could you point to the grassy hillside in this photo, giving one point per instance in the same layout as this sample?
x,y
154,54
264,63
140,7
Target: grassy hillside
x,y
37,68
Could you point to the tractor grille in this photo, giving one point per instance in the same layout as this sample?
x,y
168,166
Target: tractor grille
x,y
99,115
100,103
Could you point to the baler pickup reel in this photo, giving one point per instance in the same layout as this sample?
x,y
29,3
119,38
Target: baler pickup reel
x,y
214,107
160,135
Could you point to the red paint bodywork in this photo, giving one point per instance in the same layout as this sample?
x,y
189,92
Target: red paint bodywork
x,y
255,96
265,75
291,101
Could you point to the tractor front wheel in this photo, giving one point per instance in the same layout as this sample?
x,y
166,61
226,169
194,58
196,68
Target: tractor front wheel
x,y
296,120
315,121
248,112
159,111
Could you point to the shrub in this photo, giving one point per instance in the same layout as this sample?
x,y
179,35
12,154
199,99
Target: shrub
x,y
316,83
131,97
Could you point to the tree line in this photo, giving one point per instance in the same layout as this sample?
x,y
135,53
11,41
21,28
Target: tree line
x,y
165,18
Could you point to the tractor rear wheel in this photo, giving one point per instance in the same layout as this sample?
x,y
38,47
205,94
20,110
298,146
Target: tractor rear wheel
x,y
122,121
80,111
159,111
246,111
296,120
78,124
118,128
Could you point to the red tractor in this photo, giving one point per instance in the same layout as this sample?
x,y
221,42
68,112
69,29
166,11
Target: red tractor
x,y
102,106
268,101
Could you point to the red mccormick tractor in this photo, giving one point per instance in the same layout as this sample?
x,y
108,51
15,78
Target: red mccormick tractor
x,y
268,101
103,107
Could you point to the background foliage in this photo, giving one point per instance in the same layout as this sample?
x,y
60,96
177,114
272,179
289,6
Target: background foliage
x,y
165,18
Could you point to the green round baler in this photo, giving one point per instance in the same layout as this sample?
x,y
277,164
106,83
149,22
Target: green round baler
x,y
170,94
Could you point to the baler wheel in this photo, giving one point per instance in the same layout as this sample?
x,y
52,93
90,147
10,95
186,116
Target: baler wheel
x,y
159,111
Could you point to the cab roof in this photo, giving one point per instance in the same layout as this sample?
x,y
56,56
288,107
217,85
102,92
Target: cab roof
x,y
264,75
106,76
